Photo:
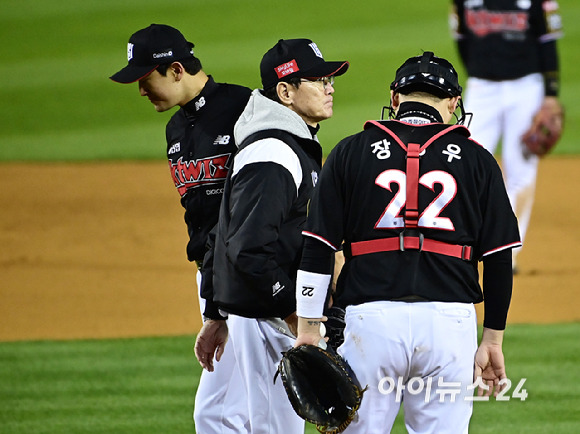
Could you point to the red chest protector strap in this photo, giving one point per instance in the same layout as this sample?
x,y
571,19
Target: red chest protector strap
x,y
411,239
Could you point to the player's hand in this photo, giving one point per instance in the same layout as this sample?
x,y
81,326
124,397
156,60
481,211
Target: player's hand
x,y
211,340
292,323
310,331
546,129
490,363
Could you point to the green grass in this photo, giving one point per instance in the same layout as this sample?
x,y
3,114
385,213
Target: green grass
x,y
134,386
58,103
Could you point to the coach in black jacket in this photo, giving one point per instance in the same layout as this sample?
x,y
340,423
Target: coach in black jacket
x,y
258,241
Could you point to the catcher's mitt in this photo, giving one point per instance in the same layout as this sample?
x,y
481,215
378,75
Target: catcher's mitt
x,y
546,129
334,325
321,387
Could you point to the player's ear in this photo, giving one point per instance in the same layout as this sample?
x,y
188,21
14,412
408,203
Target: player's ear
x,y
284,92
177,70
453,104
395,101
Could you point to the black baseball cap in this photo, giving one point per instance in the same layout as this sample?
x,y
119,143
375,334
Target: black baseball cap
x,y
427,73
150,47
296,58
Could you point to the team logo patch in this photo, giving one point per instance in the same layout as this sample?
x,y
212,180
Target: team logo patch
x,y
130,51
316,50
287,69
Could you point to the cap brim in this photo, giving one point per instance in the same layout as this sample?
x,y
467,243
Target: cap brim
x,y
326,70
131,73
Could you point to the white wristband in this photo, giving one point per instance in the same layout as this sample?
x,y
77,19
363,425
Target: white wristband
x,y
311,289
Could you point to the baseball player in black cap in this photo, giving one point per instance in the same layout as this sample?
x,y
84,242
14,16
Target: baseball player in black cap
x,y
200,146
258,240
416,205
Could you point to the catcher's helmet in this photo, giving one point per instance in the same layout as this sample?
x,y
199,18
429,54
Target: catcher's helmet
x,y
427,73
430,74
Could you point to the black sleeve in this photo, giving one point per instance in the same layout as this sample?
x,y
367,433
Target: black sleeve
x,y
497,288
461,32
206,290
317,257
550,67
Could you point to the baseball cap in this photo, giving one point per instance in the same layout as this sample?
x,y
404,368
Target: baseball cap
x,y
150,47
427,73
296,58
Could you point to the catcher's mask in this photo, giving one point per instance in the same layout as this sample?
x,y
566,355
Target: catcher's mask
x,y
430,74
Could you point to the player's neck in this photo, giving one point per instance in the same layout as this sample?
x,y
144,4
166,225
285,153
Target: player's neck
x,y
193,85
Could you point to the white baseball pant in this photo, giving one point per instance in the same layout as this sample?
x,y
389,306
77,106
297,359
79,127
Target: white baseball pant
x,y
419,354
503,110
258,345
219,401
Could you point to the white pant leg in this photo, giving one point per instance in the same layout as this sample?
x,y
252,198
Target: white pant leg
x,y
374,348
220,406
482,99
388,344
504,110
522,99
444,346
258,347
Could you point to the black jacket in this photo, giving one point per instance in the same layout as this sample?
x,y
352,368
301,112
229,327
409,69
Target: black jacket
x,y
259,242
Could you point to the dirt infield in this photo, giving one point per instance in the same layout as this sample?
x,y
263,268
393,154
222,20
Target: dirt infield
x,y
98,250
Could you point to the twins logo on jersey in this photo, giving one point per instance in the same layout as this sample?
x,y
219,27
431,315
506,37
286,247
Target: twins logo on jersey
x,y
189,174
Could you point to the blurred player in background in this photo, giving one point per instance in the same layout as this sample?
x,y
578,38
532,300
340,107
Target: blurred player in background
x,y
200,146
509,50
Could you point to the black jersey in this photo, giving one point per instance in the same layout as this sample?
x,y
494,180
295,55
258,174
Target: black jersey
x,y
506,39
200,145
361,196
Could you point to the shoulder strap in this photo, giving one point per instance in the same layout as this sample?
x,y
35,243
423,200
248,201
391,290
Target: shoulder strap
x,y
414,240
